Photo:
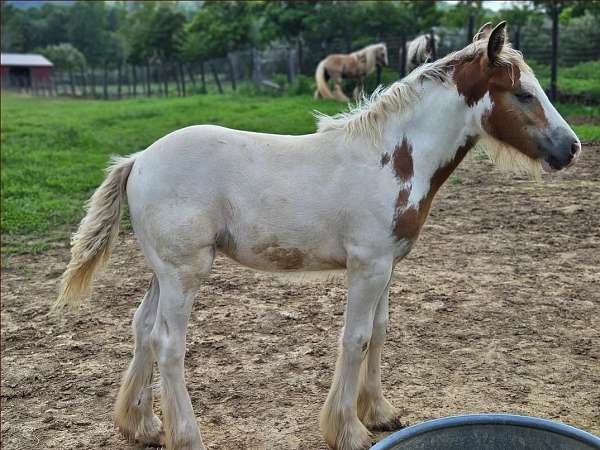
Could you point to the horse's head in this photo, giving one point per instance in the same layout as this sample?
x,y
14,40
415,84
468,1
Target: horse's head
x,y
516,114
381,55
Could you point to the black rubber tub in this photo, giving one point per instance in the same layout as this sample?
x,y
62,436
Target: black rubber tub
x,y
490,432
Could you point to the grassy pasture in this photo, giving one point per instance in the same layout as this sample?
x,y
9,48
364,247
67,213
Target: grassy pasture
x,y
54,150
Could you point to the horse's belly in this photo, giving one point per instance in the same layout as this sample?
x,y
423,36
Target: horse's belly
x,y
275,255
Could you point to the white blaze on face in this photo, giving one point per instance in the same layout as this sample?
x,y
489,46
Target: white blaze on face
x,y
555,121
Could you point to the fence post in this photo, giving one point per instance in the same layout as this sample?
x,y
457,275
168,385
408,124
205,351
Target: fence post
x,y
403,56
256,69
182,75
203,77
177,80
432,45
554,67
165,77
290,65
134,80
214,72
231,72
93,82
83,82
471,28
119,80
191,74
517,44
300,55
72,82
105,81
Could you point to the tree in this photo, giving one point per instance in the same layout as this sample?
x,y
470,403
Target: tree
x,y
87,30
219,28
65,57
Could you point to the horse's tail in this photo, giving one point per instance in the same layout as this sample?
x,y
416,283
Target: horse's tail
x,y
322,87
92,243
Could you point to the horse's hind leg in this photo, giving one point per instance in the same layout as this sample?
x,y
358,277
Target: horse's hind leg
x,y
374,411
178,284
133,410
338,93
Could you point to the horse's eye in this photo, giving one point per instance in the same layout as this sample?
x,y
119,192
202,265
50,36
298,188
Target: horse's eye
x,y
524,96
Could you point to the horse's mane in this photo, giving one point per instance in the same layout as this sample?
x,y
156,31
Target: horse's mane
x,y
369,51
368,116
417,48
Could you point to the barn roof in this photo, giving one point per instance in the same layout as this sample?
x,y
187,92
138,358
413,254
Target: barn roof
x,y
24,59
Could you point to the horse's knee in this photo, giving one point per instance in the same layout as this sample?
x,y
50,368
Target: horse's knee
x,y
168,350
355,343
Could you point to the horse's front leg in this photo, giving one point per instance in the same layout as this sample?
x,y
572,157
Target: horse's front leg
x,y
374,411
367,280
359,89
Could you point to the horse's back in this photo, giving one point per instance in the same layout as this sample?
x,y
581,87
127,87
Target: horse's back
x,y
260,198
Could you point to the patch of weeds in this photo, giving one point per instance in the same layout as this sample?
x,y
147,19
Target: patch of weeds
x,y
455,179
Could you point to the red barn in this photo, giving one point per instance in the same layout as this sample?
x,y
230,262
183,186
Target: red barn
x,y
25,70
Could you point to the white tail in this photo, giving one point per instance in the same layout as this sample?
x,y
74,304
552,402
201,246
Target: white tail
x,y
92,243
322,87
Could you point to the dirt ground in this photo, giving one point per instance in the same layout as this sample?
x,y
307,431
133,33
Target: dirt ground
x,y
496,310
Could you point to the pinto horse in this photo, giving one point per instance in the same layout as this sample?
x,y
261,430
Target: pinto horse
x,y
357,66
419,51
353,196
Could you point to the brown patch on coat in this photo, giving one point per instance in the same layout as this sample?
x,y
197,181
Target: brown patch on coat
x,y
408,222
402,161
385,158
509,121
471,79
283,258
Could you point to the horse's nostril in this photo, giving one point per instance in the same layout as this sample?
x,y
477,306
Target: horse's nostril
x,y
575,148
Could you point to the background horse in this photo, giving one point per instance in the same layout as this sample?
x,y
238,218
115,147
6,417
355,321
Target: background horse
x,y
352,197
356,66
418,51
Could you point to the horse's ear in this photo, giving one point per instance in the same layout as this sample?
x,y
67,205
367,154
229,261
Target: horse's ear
x,y
496,42
484,32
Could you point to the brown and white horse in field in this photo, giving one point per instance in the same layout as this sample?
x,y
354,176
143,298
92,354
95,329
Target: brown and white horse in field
x,y
351,197
419,51
356,66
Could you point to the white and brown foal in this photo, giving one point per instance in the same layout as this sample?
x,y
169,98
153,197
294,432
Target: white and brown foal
x,y
352,197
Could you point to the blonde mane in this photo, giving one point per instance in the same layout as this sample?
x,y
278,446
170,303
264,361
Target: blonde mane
x,y
417,50
370,52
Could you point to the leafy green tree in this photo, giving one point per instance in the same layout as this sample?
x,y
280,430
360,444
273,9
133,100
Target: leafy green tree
x,y
64,56
87,30
166,26
221,27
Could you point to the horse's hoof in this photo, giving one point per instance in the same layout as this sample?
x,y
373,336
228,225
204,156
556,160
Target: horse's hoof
x,y
159,440
391,425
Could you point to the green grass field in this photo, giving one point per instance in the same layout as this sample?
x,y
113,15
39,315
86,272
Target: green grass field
x,y
54,150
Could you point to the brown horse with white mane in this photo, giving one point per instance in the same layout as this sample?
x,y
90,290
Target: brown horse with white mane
x,y
356,66
351,197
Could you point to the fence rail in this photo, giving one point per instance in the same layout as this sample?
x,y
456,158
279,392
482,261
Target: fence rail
x,y
262,66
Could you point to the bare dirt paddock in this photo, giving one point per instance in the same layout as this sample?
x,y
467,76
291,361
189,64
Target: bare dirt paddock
x,y
496,310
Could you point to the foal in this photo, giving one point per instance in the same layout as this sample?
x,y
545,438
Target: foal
x,y
352,196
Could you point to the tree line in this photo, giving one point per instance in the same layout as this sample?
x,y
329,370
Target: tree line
x,y
107,36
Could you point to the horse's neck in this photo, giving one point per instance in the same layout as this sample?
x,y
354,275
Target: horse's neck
x,y
437,128
369,58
